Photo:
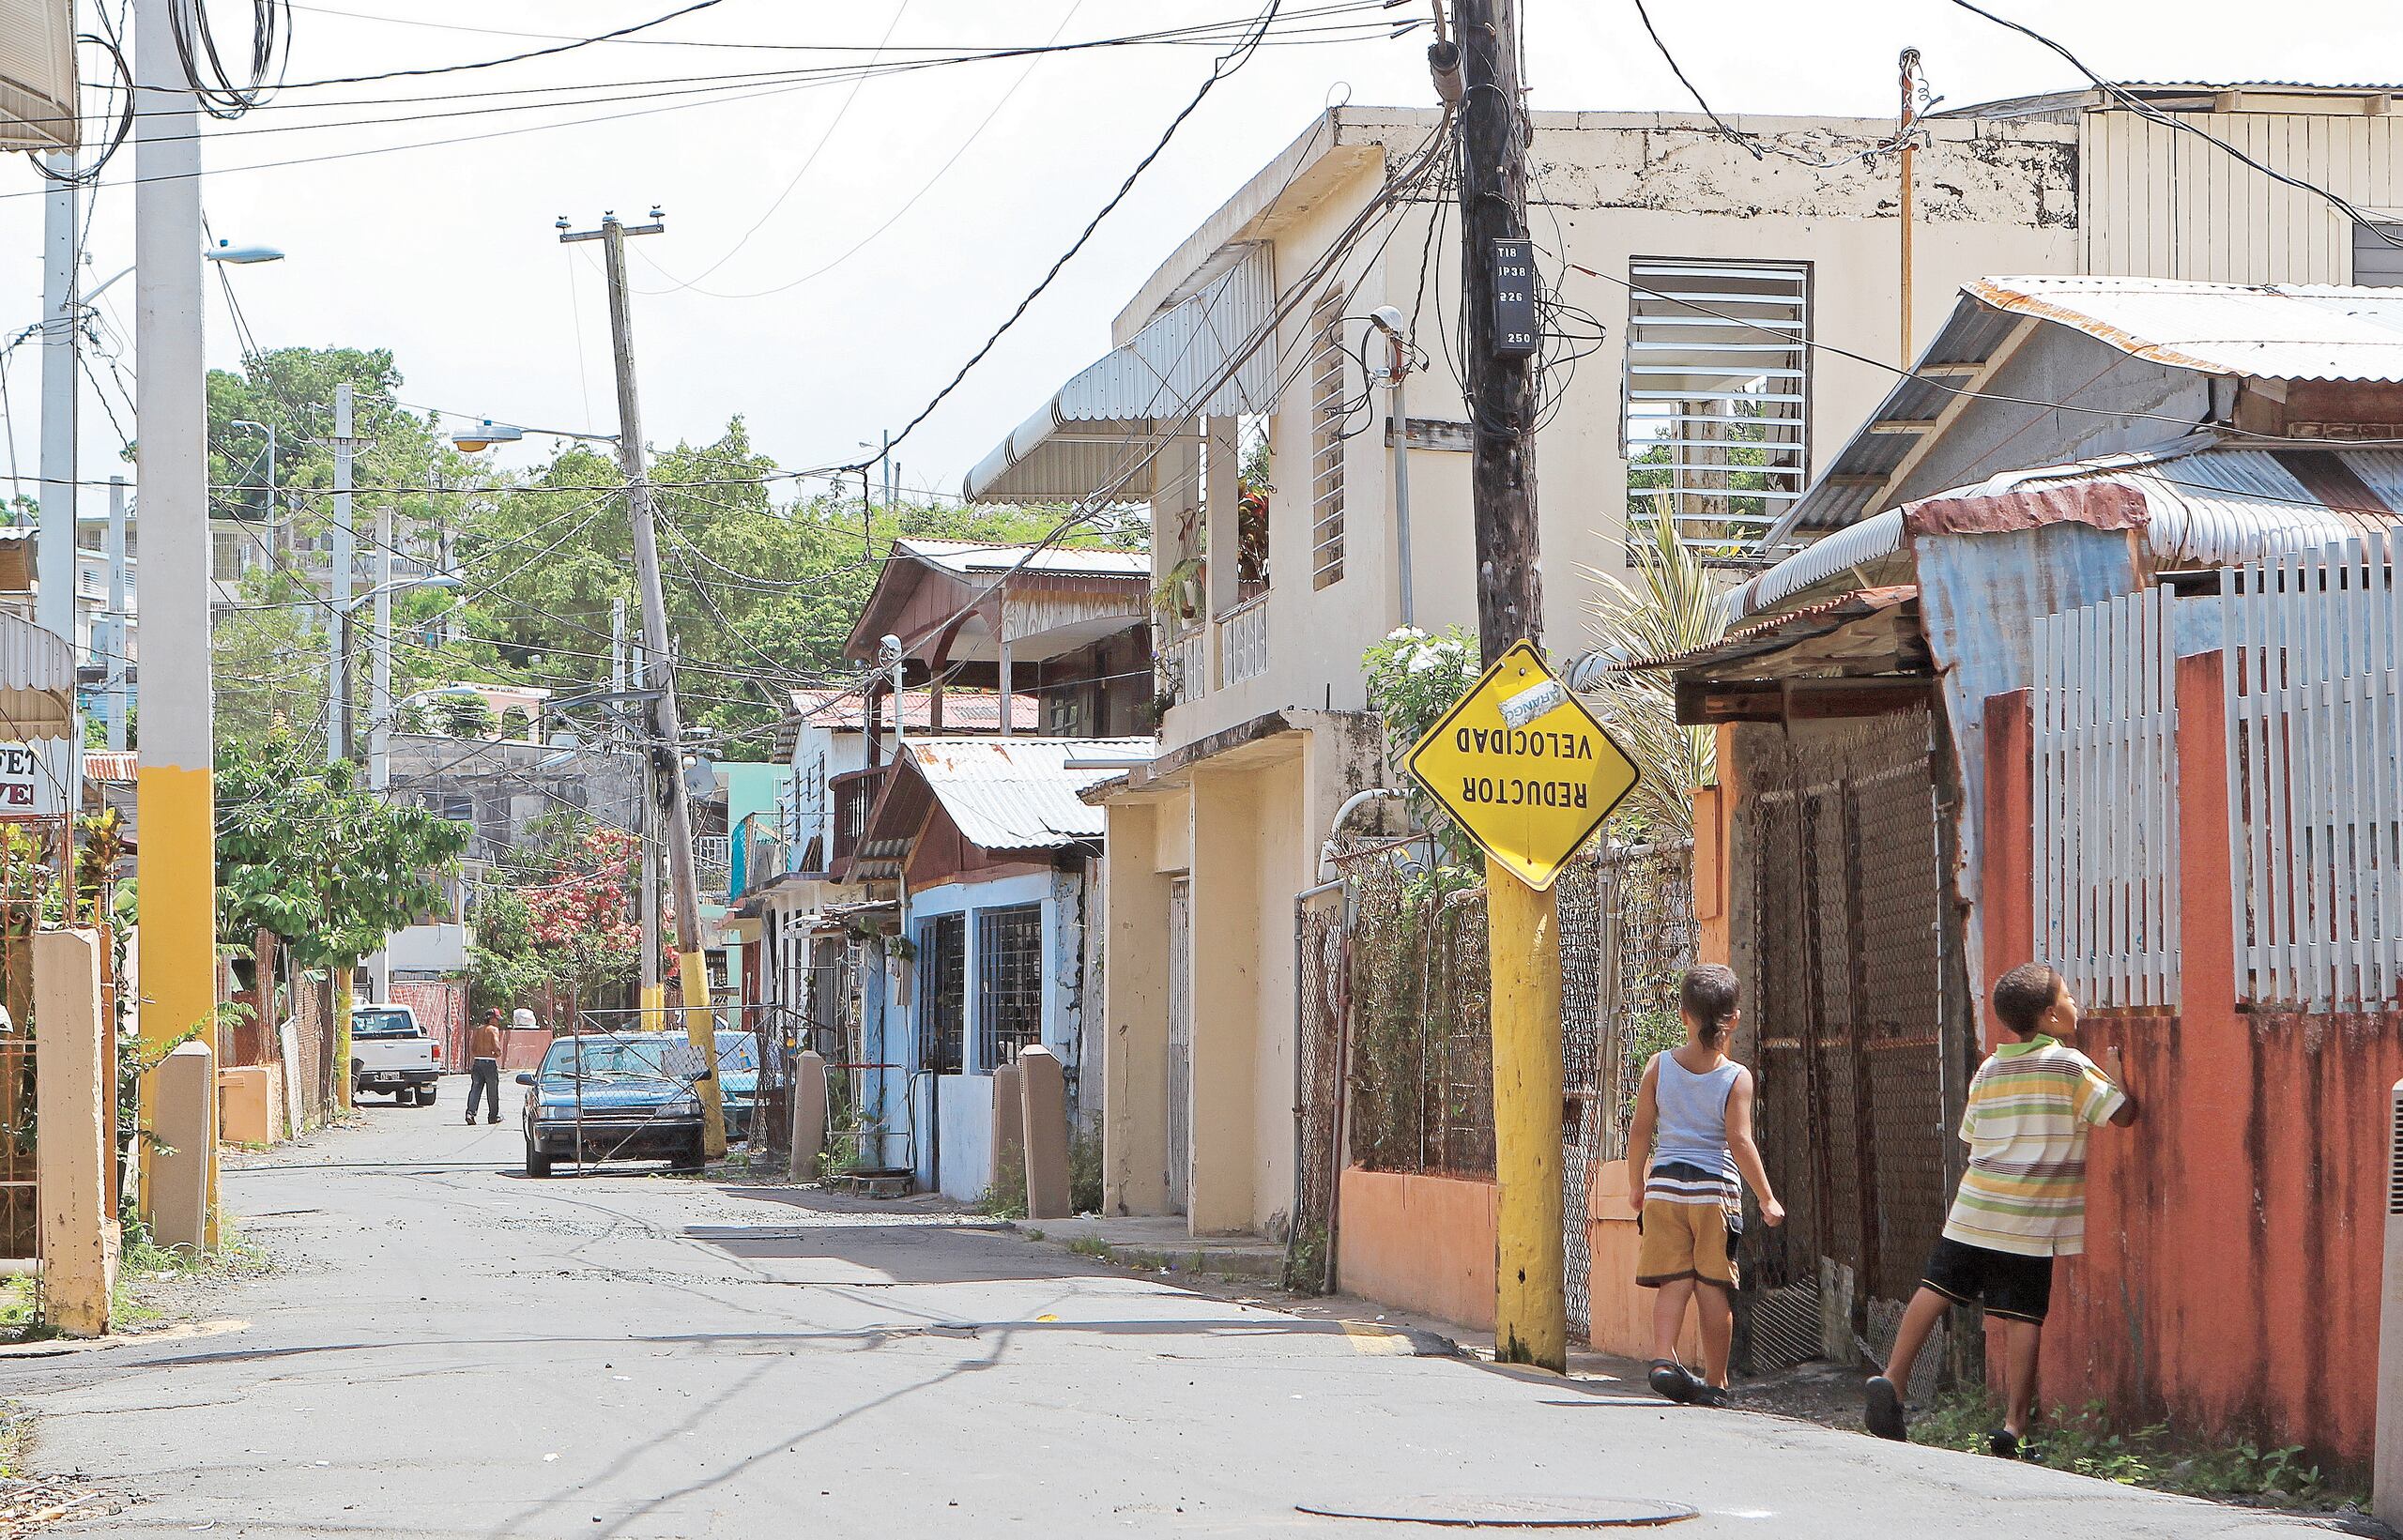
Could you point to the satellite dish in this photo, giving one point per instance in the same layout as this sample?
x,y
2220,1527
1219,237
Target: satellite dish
x,y
700,779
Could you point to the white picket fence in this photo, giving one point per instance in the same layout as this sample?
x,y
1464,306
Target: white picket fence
x,y
2106,706
2315,748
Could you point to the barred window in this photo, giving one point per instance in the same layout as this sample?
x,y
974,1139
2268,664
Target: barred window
x,y
1718,400
943,998
1009,982
1327,440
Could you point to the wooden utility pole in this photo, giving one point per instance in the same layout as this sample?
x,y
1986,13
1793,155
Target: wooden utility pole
x,y
667,732
1908,63
1498,267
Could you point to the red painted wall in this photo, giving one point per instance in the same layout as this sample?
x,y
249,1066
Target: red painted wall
x,y
2235,1234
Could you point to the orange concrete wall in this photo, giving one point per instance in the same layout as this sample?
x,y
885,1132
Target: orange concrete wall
x,y
2235,1233
1423,1244
1620,1313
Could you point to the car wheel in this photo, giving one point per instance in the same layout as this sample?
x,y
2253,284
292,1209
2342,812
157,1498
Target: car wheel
x,y
537,1163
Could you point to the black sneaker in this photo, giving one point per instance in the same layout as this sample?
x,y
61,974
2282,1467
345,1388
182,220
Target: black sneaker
x,y
1671,1381
2002,1444
1884,1414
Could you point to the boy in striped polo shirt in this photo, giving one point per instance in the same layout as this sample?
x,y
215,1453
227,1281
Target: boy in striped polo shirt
x,y
2021,1203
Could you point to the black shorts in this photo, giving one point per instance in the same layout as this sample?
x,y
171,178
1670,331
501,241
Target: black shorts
x,y
2010,1285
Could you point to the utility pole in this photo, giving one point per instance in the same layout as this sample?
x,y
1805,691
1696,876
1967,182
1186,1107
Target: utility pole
x,y
1531,1313
1908,63
338,613
653,994
121,628
700,1023
379,719
178,855
55,548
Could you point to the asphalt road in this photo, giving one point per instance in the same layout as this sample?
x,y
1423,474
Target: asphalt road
x,y
452,1349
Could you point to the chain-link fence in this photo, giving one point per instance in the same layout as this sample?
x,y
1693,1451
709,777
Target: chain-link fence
x,y
1396,1047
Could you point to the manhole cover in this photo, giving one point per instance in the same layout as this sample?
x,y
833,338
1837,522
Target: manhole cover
x,y
1507,1513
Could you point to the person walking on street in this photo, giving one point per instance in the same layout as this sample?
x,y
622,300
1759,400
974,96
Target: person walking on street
x,y
2021,1203
1692,1140
483,1065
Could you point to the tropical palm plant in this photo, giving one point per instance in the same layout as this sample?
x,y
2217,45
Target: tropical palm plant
x,y
1668,605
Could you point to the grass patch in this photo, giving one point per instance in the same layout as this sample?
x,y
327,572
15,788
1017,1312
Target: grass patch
x,y
1006,1198
16,1440
148,1276
1094,1247
2159,1456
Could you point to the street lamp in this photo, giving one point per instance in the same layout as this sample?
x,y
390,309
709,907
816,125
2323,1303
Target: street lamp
x,y
242,256
488,433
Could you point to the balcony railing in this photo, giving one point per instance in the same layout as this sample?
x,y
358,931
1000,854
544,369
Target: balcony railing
x,y
1185,662
712,855
854,794
1243,641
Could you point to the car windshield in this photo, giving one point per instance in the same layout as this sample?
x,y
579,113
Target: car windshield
x,y
738,1053
376,1021
656,1058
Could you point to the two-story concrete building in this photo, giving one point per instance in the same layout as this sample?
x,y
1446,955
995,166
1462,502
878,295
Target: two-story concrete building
x,y
1734,316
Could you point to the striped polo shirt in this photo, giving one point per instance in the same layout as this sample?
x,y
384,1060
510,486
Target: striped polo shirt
x,y
2030,1106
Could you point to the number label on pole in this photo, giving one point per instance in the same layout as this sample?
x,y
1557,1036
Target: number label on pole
x,y
1523,767
1514,299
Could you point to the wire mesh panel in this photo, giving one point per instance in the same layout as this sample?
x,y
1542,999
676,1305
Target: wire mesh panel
x,y
1421,1058
1846,938
1318,1002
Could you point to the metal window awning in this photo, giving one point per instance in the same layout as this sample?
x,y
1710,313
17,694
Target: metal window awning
x,y
1096,437
37,682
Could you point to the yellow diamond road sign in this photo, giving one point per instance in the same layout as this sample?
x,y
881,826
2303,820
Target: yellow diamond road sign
x,y
1523,767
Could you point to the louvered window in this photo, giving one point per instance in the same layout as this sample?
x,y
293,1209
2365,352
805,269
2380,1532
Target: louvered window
x,y
1327,440
1718,400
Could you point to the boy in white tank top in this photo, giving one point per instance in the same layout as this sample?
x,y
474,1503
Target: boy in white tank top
x,y
1693,1141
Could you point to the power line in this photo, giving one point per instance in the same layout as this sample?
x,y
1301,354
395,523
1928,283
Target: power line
x,y
1227,65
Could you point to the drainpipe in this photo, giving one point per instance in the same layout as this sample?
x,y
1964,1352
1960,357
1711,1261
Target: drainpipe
x,y
1352,804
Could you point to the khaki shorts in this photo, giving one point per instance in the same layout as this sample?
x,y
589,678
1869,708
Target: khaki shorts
x,y
1684,1241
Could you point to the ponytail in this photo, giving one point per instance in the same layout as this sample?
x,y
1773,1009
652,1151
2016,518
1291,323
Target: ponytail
x,y
1708,996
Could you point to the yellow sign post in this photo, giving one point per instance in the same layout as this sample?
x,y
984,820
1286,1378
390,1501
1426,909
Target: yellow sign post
x,y
1529,772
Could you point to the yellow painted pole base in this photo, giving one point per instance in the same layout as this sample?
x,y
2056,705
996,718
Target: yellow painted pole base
x,y
177,865
1531,1302
653,1004
701,1030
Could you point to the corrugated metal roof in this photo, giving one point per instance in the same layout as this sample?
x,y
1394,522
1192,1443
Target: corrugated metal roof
x,y
2287,331
113,765
1095,438
1018,793
37,682
972,557
2207,504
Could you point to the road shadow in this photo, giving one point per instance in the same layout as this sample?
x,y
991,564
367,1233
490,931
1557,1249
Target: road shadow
x,y
934,1253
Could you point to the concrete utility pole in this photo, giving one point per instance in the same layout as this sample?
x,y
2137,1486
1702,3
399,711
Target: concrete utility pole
x,y
1908,63
178,854
55,550
379,719
120,629
1531,1311
338,613
700,1022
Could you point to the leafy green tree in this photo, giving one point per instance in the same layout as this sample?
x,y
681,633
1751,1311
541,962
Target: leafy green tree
x,y
326,868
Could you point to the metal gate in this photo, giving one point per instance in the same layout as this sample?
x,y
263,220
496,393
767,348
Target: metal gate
x,y
1847,935
1180,1043
1318,1000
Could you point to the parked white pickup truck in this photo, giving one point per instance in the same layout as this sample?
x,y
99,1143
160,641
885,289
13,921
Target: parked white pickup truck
x,y
389,1051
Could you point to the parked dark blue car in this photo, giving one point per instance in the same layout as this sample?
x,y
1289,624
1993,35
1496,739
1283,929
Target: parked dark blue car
x,y
607,1098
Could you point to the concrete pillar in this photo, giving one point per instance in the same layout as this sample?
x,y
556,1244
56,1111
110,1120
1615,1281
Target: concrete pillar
x,y
1008,1142
75,1096
1044,1094
1230,954
184,1121
1133,1005
808,1113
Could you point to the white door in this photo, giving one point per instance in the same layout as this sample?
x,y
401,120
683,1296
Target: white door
x,y
1180,1041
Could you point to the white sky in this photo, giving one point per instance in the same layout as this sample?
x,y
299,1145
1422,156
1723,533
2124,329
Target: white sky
x,y
446,255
